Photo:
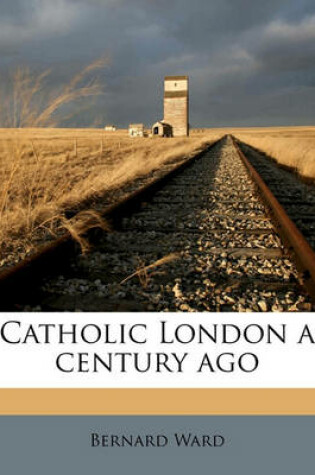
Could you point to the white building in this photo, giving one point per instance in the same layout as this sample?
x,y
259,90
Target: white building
x,y
161,129
136,130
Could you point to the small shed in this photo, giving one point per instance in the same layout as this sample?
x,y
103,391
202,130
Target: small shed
x,y
161,129
136,130
110,128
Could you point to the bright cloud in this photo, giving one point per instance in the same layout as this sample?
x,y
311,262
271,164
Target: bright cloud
x,y
293,32
41,18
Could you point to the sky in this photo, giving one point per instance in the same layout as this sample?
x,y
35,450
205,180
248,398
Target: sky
x,y
250,62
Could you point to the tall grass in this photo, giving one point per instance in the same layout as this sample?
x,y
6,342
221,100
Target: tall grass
x,y
24,170
46,171
31,102
291,147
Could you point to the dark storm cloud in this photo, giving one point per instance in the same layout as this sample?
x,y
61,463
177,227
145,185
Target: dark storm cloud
x,y
250,62
287,46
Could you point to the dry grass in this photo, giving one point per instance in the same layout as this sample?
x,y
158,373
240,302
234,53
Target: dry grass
x,y
291,146
30,102
145,272
45,171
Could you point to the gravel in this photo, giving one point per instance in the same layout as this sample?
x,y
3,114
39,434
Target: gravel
x,y
227,254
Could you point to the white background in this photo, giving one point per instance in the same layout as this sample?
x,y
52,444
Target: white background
x,y
33,365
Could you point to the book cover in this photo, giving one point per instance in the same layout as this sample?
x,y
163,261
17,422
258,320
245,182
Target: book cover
x,y
157,233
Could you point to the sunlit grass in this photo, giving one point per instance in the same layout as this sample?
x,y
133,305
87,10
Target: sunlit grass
x,y
293,147
47,171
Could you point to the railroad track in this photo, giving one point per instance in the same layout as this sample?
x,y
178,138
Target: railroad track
x,y
200,239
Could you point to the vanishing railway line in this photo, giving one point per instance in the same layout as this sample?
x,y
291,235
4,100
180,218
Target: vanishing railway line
x,y
201,239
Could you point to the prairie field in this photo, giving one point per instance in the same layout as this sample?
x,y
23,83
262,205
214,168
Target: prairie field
x,y
45,171
290,146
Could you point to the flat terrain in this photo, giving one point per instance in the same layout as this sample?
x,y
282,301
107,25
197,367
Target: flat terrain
x,y
46,172
290,146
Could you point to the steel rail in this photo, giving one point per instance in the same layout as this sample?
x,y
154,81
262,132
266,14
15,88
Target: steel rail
x,y
293,238
24,278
